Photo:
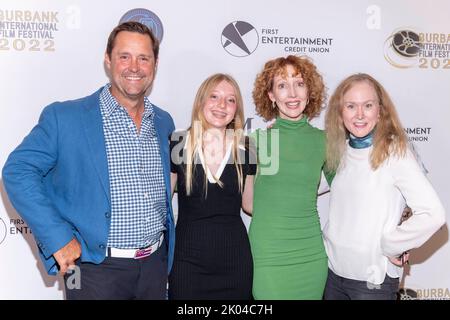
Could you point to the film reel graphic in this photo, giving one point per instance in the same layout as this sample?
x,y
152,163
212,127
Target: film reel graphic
x,y
406,43
402,48
407,294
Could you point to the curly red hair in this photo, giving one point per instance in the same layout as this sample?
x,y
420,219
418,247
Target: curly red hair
x,y
303,66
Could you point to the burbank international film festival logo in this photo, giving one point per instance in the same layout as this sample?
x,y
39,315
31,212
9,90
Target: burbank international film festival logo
x,y
424,294
28,30
406,48
147,17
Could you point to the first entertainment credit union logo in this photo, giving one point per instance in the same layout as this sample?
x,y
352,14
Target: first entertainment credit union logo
x,y
240,39
2,230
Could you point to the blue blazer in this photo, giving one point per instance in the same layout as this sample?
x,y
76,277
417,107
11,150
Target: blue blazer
x,y
57,179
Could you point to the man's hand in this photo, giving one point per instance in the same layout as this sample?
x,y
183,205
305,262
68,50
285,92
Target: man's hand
x,y
66,256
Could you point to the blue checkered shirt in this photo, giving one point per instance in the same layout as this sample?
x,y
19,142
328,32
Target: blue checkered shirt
x,y
138,198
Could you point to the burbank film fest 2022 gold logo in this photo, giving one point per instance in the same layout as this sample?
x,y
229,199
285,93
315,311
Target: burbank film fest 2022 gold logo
x,y
406,48
33,30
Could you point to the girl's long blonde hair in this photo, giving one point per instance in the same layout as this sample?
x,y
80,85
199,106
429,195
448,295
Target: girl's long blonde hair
x,y
389,137
199,126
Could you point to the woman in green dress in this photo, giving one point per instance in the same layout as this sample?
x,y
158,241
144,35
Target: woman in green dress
x,y
285,234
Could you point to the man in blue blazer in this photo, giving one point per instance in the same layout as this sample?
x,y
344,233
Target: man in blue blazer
x,y
92,180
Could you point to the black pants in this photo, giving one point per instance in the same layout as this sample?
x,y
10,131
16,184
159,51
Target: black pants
x,y
120,278
339,288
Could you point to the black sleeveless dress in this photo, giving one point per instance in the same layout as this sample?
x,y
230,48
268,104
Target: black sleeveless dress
x,y
212,257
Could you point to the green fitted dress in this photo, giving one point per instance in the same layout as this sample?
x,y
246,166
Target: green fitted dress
x,y
285,235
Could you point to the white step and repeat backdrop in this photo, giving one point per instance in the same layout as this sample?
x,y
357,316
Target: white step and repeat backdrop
x,y
53,50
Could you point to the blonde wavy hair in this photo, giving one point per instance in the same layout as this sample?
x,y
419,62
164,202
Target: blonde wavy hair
x,y
303,66
389,137
199,126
